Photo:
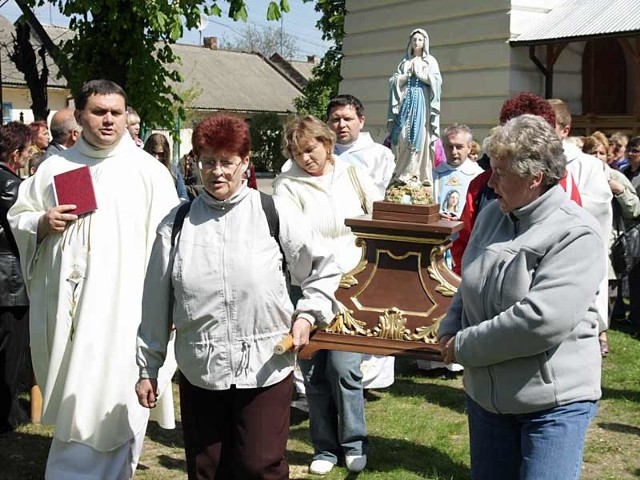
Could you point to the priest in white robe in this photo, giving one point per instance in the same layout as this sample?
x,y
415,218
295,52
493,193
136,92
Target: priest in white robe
x,y
345,117
85,277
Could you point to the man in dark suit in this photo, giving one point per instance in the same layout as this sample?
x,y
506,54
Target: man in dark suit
x,y
65,132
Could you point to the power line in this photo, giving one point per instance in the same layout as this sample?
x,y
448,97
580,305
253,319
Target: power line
x,y
254,24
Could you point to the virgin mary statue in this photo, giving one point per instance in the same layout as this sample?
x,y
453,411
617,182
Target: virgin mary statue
x,y
414,111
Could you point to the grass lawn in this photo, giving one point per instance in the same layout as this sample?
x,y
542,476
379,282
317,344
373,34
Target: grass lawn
x,y
417,430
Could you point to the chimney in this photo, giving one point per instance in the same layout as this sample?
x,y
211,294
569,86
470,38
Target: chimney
x,y
211,43
311,59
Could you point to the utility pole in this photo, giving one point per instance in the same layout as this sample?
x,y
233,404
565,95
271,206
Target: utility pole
x,y
281,35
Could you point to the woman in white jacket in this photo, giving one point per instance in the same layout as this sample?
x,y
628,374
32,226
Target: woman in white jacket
x,y
221,282
328,190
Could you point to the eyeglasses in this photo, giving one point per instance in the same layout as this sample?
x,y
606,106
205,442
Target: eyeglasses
x,y
225,166
635,151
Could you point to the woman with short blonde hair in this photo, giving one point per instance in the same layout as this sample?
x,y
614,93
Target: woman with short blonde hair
x,y
328,190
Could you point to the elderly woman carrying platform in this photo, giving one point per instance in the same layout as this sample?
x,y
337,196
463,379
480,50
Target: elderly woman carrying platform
x,y
524,323
220,280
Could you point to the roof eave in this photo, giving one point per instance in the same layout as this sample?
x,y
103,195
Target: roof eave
x,y
239,110
580,38
22,85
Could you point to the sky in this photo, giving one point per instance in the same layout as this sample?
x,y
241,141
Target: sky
x,y
300,23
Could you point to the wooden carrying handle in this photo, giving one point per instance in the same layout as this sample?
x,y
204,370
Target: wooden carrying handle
x,y
286,343
283,345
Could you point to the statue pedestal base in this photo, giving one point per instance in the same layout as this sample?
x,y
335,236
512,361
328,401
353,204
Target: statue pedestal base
x,y
396,296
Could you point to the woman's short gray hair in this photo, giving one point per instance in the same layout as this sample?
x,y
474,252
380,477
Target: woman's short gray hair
x,y
532,146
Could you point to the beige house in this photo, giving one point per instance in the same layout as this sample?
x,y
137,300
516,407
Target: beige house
x,y
16,98
240,83
584,51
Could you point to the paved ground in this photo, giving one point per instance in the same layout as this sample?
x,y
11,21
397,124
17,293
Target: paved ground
x,y
264,185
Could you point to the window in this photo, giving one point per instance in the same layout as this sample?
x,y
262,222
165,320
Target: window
x,y
7,107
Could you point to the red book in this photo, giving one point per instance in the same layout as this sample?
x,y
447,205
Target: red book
x,y
75,187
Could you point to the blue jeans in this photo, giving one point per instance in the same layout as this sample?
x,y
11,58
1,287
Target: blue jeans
x,y
333,383
535,446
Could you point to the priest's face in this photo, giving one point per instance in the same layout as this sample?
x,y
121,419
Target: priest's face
x,y
103,120
222,172
345,123
457,146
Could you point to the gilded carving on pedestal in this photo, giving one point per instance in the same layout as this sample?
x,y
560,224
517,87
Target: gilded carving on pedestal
x,y
345,324
391,325
428,334
443,287
349,280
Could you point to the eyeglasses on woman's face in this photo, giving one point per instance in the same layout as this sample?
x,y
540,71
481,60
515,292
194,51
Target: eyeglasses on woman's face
x,y
227,166
634,151
222,172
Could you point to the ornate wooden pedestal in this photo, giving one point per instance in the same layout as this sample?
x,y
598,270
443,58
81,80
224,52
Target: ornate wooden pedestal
x,y
400,290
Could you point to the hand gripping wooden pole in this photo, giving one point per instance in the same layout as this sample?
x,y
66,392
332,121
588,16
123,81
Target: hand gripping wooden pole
x,y
286,343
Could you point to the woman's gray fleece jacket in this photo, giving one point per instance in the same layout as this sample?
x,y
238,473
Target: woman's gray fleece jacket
x,y
524,316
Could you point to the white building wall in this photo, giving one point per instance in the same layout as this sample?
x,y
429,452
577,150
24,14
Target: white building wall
x,y
468,38
20,100
567,76
525,76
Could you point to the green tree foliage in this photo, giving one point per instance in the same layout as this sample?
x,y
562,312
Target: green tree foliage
x,y
326,75
266,137
129,42
266,41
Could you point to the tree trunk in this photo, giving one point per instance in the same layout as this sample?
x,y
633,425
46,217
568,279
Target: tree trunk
x,y
24,57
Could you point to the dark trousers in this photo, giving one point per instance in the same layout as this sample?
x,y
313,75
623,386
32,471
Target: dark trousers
x,y
14,365
634,295
236,434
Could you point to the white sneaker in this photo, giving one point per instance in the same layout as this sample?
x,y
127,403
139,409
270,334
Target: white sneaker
x,y
321,467
355,463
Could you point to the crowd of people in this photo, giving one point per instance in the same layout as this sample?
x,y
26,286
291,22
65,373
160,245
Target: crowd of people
x,y
190,268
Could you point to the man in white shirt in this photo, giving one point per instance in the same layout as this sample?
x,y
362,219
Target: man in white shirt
x,y
452,178
345,117
85,278
591,179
